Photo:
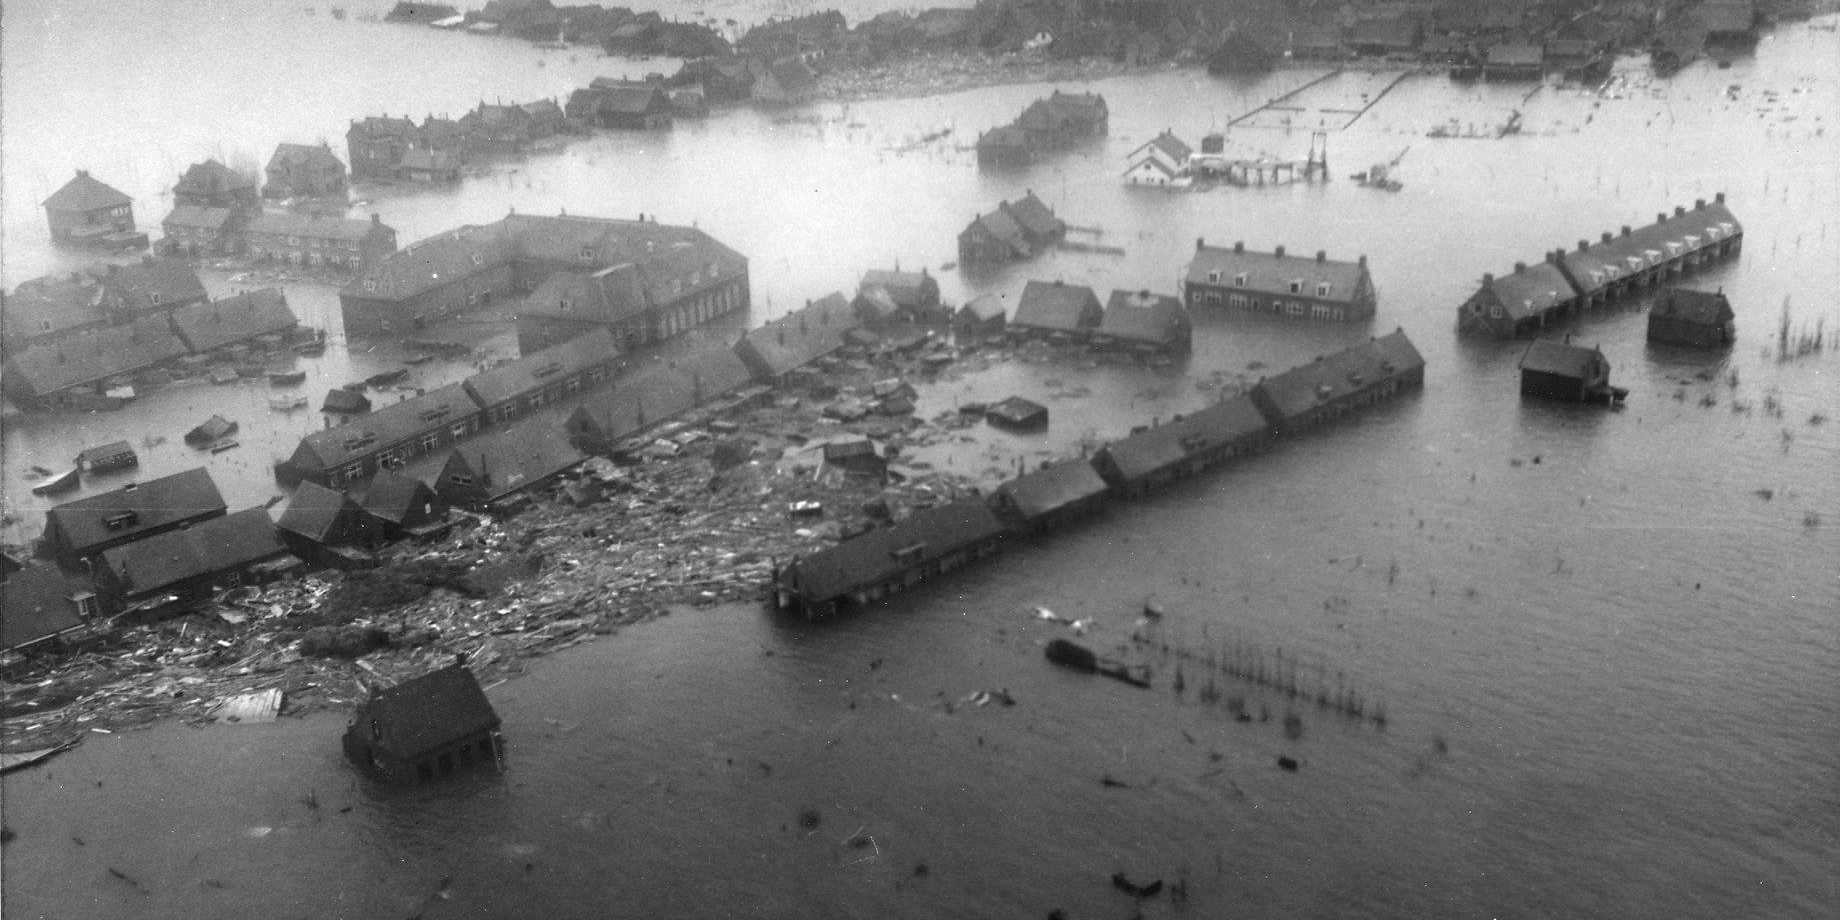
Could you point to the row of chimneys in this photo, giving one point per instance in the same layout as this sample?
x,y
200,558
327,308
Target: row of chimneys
x,y
1556,255
1239,246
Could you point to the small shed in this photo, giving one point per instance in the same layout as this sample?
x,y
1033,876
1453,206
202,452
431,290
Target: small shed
x,y
856,457
426,727
1562,371
212,429
116,456
1693,318
1018,413
345,402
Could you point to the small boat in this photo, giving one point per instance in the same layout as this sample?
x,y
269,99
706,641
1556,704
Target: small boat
x,y
221,375
215,428
222,446
422,358
287,403
60,482
14,760
1081,658
310,349
286,378
388,377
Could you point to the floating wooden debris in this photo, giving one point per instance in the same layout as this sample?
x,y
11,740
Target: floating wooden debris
x,y
250,708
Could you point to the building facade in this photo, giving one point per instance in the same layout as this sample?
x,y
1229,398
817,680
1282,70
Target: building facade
x,y
1278,284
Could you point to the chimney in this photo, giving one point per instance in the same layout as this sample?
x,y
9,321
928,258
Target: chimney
x,y
1362,261
1279,252
1488,278
1660,216
1607,237
1719,197
1699,204
1625,229
376,219
1520,267
130,487
1584,245
1321,256
1239,246
1679,211
1200,243
83,174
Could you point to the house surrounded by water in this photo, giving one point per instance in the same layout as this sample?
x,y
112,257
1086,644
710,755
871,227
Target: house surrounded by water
x,y
1275,283
86,212
426,728
1698,319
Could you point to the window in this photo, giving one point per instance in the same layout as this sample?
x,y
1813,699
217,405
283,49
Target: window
x,y
1239,280
460,479
1296,285
566,304
1238,301
1294,308
156,297
370,286
1322,289
479,258
458,431
430,441
587,254
1213,277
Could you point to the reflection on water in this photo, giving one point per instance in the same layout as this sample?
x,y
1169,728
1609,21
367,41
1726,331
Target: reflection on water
x,y
1608,660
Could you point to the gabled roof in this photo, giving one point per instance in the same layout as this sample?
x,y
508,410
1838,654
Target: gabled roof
x,y
1392,32
211,178
94,355
659,391
800,337
155,503
395,422
137,283
35,604
1273,272
1300,389
191,215
417,716
316,512
1057,305
85,194
1166,445
517,457
628,97
908,289
1560,358
288,223
1690,306
532,372
1001,225
1141,316
1005,136
432,262
392,496
1531,291
1036,218
374,127
311,156
216,545
1053,487
929,534
205,326
1604,262
51,304
986,307
543,111
104,452
1169,146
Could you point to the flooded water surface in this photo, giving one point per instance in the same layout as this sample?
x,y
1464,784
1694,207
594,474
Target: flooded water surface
x,y
1605,642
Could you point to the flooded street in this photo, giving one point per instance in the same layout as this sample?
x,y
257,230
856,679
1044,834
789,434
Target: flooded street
x,y
1605,640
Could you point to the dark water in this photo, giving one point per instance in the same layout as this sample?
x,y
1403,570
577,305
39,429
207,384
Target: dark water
x,y
1628,652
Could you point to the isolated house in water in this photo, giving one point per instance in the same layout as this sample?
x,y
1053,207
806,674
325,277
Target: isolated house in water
x,y
86,212
1142,321
1566,372
427,727
1519,303
1695,318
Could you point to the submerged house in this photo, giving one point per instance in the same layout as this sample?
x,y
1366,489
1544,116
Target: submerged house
x,y
235,319
1520,303
915,295
304,171
1279,284
426,727
43,608
1567,372
652,395
319,522
887,560
1695,318
190,563
1183,446
1163,160
514,390
1142,321
1334,385
115,455
489,469
403,506
85,528
86,212
983,317
1056,311
386,439
776,349
1051,497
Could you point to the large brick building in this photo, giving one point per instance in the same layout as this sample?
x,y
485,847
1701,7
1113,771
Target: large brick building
x,y
1301,287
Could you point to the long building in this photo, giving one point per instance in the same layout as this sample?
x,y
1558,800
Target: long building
x,y
1279,284
664,279
387,438
1335,385
884,561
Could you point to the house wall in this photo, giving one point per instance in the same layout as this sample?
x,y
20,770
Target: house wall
x,y
119,217
1669,331
1551,386
1359,305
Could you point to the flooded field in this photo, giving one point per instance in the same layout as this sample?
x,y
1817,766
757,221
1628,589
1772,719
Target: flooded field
x,y
1605,641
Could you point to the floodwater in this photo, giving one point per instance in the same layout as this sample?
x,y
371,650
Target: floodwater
x,y
1605,641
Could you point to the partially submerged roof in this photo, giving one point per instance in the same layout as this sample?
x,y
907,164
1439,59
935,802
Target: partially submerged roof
x,y
94,355
596,348
1185,436
1561,358
1600,264
908,289
1057,305
216,545
210,178
237,318
289,223
1035,217
153,504
85,194
104,452
154,283
1052,488
420,715
1274,272
1169,146
1140,316
1300,389
197,217
1689,306
870,557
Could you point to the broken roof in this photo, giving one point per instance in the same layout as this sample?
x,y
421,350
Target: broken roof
x,y
53,303
873,556
237,318
417,716
1057,305
1052,488
1562,359
1302,388
210,178
596,348
104,452
1164,446
374,431
1273,272
85,194
155,503
216,545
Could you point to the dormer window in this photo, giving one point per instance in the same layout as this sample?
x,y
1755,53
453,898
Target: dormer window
x,y
1213,277
370,286
587,254
1322,289
566,304
479,258
1296,286
155,297
1239,280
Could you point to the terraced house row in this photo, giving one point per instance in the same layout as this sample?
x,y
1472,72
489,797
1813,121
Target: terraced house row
x,y
1567,282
